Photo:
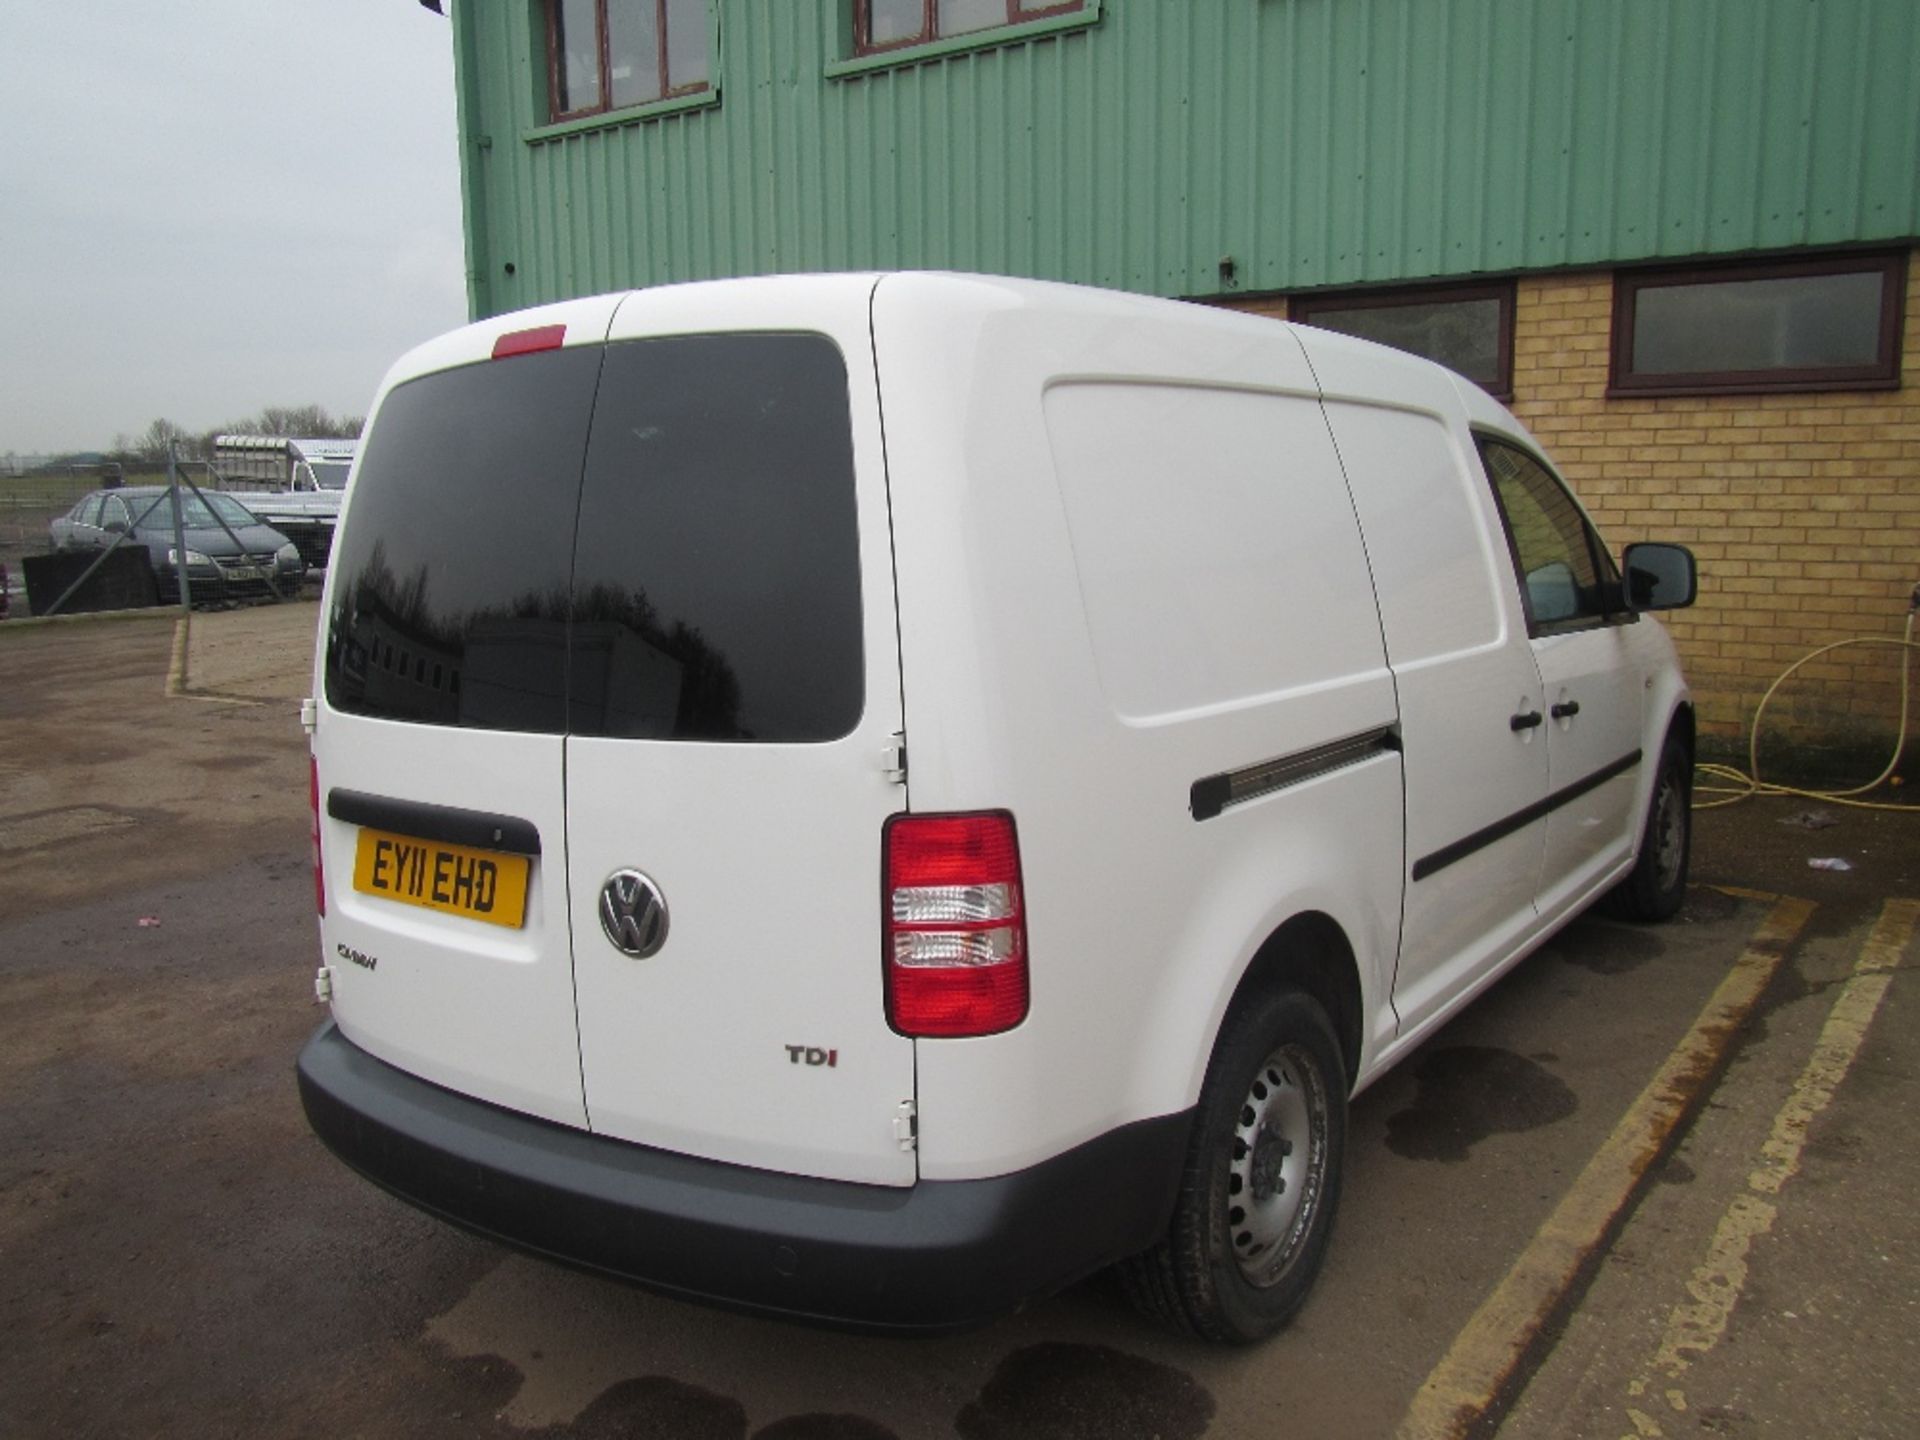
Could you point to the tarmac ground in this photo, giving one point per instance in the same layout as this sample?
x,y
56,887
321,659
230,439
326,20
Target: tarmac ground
x,y
1656,1183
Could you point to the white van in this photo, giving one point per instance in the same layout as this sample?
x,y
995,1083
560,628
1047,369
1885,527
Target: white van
x,y
867,798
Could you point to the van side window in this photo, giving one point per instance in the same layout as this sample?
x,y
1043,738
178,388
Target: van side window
x,y
1567,580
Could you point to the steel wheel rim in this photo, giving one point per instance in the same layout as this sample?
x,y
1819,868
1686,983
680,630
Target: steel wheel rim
x,y
1277,1168
1670,844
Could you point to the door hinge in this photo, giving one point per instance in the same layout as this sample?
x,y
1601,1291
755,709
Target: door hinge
x,y
906,1126
893,758
309,714
323,986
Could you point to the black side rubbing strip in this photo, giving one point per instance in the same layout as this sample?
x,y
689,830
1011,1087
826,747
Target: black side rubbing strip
x,y
1520,819
1233,787
473,828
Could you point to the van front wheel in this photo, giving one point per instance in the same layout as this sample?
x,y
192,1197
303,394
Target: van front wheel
x,y
1656,887
1255,1211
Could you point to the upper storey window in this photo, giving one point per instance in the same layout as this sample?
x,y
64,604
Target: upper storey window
x,y
881,25
607,55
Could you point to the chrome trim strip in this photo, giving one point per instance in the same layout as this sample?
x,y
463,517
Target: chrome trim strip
x,y
1216,793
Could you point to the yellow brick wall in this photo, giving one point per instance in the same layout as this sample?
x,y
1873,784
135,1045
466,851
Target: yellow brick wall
x,y
1803,510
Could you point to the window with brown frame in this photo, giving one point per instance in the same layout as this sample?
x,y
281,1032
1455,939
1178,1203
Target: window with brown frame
x,y
1468,328
881,25
1825,323
607,55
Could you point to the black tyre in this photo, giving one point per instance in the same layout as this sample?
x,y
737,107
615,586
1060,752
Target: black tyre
x,y
1262,1180
1657,886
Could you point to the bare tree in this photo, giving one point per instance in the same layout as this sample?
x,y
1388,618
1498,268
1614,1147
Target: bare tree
x,y
152,445
294,419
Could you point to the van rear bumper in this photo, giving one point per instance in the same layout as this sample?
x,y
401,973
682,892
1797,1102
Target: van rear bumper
x,y
935,1256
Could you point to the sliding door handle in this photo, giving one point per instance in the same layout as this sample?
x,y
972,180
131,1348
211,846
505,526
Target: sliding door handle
x,y
1526,720
1566,710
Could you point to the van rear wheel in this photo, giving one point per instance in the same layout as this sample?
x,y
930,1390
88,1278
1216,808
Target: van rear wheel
x,y
1255,1211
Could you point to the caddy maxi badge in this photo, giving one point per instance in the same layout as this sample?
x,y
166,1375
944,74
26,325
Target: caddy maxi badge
x,y
633,913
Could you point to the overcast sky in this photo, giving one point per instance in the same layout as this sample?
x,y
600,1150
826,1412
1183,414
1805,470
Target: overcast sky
x,y
210,206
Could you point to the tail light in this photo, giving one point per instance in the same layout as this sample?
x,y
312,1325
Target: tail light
x,y
319,873
955,925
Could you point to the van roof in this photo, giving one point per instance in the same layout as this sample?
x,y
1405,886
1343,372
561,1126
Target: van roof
x,y
589,319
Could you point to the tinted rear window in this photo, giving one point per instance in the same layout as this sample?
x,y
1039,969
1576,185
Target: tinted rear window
x,y
677,558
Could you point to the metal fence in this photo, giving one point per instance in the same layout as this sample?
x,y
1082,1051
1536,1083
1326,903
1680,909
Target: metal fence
x,y
184,543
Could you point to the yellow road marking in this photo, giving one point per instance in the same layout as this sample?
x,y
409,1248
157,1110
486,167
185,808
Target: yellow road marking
x,y
176,687
177,664
1720,1279
1486,1354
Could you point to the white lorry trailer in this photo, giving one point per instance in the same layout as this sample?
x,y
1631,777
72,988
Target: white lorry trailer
x,y
295,485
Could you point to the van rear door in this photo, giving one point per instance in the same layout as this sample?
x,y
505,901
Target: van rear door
x,y
734,691
439,747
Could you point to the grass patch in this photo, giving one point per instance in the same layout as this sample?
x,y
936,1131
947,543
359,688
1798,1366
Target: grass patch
x,y
58,492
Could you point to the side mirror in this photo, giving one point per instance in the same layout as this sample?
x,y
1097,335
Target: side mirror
x,y
1659,577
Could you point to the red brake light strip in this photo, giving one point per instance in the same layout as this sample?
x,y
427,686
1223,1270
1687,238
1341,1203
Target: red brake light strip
x,y
526,342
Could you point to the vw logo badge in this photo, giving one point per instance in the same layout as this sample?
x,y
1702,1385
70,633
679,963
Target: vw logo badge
x,y
633,913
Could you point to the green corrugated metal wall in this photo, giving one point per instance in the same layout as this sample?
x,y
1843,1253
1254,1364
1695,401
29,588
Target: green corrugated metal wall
x,y
1318,142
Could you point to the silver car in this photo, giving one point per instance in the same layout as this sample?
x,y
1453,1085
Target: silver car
x,y
229,551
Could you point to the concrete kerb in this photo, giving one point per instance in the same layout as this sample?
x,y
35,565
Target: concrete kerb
x,y
32,622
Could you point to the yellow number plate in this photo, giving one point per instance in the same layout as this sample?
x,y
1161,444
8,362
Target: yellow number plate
x,y
479,884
